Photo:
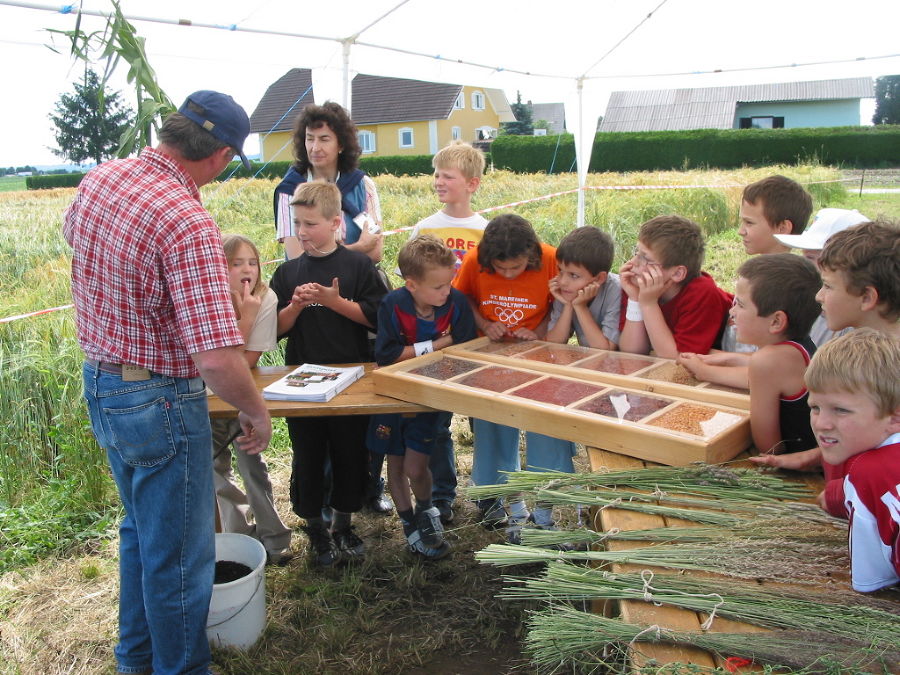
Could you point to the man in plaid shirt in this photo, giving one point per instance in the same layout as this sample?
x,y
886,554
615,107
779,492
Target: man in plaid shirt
x,y
155,321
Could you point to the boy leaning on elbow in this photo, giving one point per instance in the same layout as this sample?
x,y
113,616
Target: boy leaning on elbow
x,y
854,400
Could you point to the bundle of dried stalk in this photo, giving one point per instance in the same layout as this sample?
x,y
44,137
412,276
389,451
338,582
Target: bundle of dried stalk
x,y
830,533
715,481
774,559
562,636
838,611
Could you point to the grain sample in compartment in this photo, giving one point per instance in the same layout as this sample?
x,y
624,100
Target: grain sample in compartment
x,y
497,378
616,364
696,419
671,372
446,368
561,354
556,390
624,405
506,348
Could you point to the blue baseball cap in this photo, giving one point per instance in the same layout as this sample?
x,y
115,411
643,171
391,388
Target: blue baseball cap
x,y
221,116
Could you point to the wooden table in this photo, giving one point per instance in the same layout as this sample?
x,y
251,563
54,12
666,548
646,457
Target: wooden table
x,y
646,613
357,399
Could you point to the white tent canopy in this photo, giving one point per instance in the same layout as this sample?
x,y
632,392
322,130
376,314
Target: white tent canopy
x,y
576,51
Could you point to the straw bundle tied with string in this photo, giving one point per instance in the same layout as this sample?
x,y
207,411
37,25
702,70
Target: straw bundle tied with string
x,y
563,637
843,613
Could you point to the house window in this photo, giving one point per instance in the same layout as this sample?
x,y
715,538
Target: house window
x,y
406,138
460,101
762,123
477,100
485,133
367,142
455,133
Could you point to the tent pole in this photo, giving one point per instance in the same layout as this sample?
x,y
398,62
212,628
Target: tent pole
x,y
582,174
345,50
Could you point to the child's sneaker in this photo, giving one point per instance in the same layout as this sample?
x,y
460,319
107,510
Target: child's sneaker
x,y
493,515
445,508
348,544
417,547
428,524
324,551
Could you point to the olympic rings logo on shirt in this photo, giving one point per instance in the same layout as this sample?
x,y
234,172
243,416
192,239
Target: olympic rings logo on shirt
x,y
508,316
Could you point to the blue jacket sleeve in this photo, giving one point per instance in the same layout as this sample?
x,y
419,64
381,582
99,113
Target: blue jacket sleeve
x,y
389,342
463,328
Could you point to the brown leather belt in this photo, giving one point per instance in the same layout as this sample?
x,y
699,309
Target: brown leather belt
x,y
128,372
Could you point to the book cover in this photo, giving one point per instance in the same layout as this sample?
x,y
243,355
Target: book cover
x,y
311,382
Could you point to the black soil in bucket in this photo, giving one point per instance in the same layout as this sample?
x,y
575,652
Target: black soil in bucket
x,y
228,570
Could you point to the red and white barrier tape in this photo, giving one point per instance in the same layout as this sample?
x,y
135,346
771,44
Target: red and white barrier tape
x,y
8,319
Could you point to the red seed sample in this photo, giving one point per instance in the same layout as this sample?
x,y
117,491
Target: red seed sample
x,y
507,348
556,390
560,354
615,363
497,378
641,406
687,418
446,368
671,372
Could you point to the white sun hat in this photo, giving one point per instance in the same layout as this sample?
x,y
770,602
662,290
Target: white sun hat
x,y
826,223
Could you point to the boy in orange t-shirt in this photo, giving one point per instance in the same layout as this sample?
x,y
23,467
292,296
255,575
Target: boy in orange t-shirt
x,y
508,285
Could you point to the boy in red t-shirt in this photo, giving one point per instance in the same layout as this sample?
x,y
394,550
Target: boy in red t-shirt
x,y
507,282
854,400
668,304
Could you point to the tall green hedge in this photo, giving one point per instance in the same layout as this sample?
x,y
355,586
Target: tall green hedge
x,y
868,147
56,180
397,165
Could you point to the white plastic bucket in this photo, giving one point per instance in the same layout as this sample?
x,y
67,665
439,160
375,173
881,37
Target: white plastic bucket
x,y
237,609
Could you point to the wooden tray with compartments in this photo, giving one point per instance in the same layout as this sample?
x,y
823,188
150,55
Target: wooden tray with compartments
x,y
635,371
660,427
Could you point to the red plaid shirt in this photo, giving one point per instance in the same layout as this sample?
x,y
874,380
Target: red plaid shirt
x,y
149,276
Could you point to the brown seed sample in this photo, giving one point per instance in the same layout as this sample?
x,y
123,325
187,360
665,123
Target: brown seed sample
x,y
615,363
560,354
641,406
497,378
671,372
687,418
446,368
556,390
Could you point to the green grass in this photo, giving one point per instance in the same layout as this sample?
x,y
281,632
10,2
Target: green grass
x,y
12,183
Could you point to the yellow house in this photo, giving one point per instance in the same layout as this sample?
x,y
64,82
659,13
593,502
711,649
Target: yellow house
x,y
394,116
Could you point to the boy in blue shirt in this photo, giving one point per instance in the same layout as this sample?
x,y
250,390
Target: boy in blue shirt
x,y
424,315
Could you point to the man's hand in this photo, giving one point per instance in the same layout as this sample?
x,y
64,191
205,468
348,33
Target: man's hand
x,y
257,434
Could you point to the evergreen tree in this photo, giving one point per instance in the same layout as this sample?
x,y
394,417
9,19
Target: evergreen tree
x,y
887,100
90,121
522,126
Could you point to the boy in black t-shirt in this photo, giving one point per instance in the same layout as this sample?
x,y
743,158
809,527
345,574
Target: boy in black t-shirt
x,y
327,302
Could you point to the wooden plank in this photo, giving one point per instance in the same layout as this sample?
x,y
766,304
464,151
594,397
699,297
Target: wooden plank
x,y
656,377
641,612
360,398
646,441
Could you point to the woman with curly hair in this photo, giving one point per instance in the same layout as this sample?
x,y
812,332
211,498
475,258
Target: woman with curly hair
x,y
326,148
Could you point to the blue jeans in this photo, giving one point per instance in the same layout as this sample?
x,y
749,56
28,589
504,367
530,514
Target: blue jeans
x,y
157,437
497,449
443,461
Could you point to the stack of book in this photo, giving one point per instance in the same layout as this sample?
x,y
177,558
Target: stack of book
x,y
310,382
